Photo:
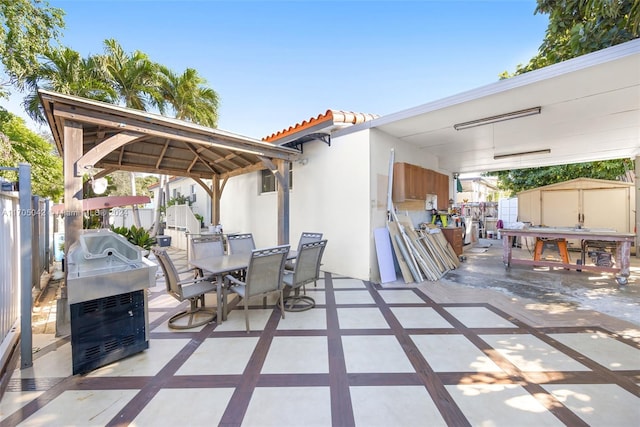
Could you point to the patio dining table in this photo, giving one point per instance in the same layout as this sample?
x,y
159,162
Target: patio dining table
x,y
221,265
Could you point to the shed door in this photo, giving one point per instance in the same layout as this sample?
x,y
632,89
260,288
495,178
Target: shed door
x,y
606,208
560,208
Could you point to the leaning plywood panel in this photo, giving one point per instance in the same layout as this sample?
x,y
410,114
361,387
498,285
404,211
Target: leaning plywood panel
x,y
404,267
384,253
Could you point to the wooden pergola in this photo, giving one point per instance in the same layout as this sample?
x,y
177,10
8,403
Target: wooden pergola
x,y
101,137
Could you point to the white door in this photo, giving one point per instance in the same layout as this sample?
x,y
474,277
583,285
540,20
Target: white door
x,y
606,208
560,208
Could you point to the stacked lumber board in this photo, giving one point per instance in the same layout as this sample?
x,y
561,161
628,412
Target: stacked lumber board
x,y
422,254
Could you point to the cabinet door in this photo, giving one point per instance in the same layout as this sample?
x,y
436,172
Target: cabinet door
x,y
399,193
411,182
430,181
442,188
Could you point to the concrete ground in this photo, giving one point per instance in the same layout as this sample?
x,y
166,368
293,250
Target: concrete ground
x,y
551,290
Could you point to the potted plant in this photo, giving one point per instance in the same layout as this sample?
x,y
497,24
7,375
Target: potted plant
x,y
137,236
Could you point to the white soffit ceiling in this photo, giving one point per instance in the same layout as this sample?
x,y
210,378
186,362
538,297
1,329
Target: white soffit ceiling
x,y
590,111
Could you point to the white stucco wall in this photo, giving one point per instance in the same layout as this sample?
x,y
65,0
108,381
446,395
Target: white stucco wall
x,y
329,195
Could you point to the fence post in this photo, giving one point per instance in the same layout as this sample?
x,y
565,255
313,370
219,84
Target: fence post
x,y
35,242
26,220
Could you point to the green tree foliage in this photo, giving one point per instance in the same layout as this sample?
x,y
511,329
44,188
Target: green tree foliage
x,y
188,96
576,27
23,145
518,180
26,29
63,70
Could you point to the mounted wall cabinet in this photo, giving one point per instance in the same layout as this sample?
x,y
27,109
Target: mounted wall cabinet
x,y
412,183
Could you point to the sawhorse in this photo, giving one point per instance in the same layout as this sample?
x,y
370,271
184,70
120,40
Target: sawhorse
x,y
561,244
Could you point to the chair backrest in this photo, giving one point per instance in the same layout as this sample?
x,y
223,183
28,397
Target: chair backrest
x,y
265,270
204,246
307,266
171,276
240,243
308,237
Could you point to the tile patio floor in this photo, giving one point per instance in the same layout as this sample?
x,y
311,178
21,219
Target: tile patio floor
x,y
366,355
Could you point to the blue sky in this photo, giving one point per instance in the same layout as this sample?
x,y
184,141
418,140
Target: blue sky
x,y
278,63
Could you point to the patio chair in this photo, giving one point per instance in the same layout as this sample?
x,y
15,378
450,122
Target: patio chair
x,y
240,243
192,289
307,270
305,237
263,277
205,246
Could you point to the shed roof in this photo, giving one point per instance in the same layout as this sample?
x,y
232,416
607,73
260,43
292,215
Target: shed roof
x,y
581,183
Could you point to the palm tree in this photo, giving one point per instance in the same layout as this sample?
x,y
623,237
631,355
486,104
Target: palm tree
x,y
188,97
66,72
134,77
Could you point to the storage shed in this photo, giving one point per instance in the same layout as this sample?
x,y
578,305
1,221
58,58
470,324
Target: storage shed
x,y
592,203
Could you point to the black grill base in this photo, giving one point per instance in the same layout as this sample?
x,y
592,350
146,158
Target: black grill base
x,y
107,329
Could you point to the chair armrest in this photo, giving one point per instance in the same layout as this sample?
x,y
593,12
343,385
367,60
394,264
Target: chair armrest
x,y
232,280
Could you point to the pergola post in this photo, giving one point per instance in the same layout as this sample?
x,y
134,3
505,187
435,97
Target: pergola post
x,y
637,190
283,201
72,152
216,193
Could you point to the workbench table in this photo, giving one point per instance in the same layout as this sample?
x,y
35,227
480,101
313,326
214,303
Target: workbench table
x,y
623,243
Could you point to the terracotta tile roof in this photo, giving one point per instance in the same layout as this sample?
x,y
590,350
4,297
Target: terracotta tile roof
x,y
330,117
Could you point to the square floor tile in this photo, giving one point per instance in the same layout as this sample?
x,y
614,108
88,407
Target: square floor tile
x,y
401,296
297,355
289,406
361,318
318,295
175,407
14,400
316,318
453,353
600,347
347,283
319,283
479,317
258,318
501,405
155,315
54,364
419,317
596,403
220,356
353,297
164,301
164,327
394,406
81,408
145,363
529,353
374,354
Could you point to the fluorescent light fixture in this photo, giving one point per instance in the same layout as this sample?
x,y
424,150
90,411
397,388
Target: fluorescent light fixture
x,y
522,153
498,118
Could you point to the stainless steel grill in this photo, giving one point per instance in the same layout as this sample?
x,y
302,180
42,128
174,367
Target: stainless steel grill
x,y
106,281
